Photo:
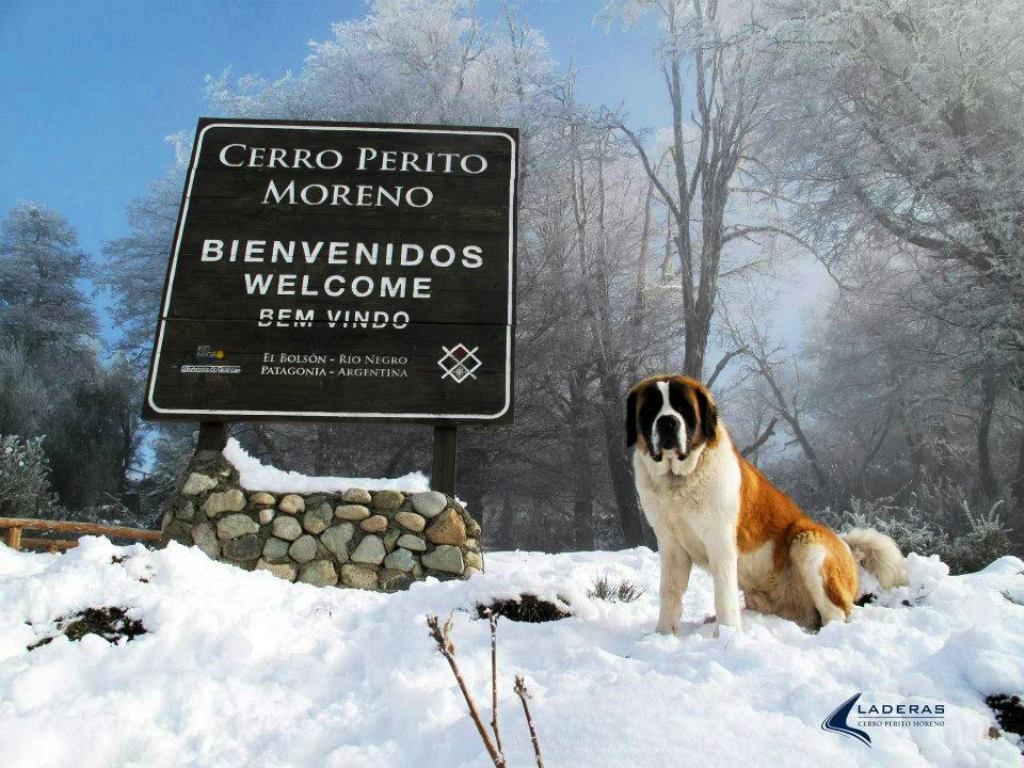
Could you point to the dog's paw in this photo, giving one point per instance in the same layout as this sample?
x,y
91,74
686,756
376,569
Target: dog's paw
x,y
725,632
667,628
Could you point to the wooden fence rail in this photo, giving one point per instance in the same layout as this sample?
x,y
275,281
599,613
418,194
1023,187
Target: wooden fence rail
x,y
13,526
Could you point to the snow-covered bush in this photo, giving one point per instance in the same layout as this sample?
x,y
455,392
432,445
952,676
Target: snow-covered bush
x,y
25,478
985,540
907,526
966,541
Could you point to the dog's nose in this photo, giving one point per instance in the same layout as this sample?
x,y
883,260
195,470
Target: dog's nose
x,y
667,428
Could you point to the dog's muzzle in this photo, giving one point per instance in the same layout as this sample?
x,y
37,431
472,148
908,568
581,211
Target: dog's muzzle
x,y
666,437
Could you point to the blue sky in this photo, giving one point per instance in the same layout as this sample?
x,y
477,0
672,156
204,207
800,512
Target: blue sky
x,y
91,89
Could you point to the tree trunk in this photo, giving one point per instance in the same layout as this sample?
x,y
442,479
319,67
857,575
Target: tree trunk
x,y
623,489
987,485
1017,489
695,347
634,529
583,508
504,533
1016,523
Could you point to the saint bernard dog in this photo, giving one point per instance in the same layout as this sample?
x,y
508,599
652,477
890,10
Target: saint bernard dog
x,y
710,506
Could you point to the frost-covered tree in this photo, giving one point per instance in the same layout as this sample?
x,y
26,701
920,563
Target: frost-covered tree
x,y
898,127
136,263
42,301
589,328
897,140
55,389
406,61
24,402
903,119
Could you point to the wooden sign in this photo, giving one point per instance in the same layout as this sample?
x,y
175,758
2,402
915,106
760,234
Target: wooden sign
x,y
326,271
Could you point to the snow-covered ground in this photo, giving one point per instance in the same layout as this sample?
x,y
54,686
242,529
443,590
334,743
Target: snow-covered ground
x,y
242,669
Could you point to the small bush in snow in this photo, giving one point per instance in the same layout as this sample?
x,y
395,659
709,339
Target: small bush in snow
x,y
624,592
25,479
985,540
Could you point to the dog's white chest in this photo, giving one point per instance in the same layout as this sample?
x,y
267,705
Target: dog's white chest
x,y
695,509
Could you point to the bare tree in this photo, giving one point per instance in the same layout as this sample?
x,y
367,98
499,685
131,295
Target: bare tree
x,y
709,60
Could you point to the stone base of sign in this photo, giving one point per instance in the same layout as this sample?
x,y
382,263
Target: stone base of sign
x,y
359,537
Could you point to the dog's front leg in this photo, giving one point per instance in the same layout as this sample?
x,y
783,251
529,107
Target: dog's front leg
x,y
723,563
675,575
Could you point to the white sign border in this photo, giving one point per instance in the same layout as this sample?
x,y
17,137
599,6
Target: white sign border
x,y
338,414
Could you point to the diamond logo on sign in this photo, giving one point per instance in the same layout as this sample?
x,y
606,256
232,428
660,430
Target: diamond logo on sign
x,y
459,363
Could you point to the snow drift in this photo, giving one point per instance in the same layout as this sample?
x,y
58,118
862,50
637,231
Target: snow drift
x,y
253,475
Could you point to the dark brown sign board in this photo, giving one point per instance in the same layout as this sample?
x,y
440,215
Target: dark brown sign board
x,y
329,272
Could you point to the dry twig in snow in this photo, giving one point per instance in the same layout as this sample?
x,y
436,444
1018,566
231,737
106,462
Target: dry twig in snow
x,y
492,619
523,695
442,636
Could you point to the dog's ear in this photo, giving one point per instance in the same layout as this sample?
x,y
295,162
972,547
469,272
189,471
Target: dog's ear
x,y
631,419
708,412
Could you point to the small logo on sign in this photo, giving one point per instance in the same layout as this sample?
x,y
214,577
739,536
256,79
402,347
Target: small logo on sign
x,y
207,354
210,360
459,363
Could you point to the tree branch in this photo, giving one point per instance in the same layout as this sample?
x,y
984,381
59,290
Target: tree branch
x,y
764,437
726,358
651,172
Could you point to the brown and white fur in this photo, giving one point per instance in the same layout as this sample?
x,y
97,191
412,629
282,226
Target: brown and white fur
x,y
711,507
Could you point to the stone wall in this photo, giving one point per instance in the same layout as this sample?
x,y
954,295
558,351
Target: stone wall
x,y
358,537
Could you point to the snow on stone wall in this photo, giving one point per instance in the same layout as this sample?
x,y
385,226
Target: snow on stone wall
x,y
328,532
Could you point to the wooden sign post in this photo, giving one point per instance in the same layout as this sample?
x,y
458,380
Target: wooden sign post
x,y
341,272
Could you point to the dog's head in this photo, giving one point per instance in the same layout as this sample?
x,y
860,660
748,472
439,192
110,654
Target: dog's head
x,y
670,417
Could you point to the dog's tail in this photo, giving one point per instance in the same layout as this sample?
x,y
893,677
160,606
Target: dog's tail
x,y
877,554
